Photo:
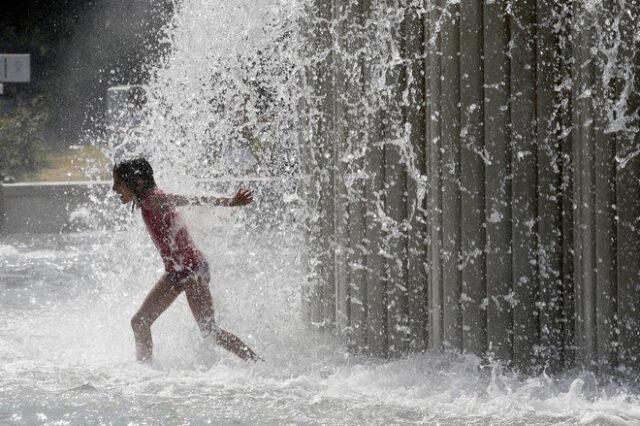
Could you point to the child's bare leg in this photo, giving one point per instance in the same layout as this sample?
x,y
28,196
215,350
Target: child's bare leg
x,y
201,304
233,344
157,301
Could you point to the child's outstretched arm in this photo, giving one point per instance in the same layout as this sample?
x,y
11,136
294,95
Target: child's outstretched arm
x,y
241,198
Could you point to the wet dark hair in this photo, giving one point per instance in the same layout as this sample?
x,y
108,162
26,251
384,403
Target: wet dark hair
x,y
130,170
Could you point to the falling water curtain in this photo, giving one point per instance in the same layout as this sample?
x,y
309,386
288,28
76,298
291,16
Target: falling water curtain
x,y
473,178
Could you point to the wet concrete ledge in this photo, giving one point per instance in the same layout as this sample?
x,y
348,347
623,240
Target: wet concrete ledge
x,y
45,207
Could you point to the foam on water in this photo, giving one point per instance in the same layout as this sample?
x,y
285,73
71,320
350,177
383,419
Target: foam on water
x,y
72,361
7,250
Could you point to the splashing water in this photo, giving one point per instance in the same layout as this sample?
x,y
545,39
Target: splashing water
x,y
67,355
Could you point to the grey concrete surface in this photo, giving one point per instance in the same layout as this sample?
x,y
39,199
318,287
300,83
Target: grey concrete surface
x,y
46,207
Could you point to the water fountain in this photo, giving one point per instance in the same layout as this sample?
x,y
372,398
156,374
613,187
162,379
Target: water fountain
x,y
403,202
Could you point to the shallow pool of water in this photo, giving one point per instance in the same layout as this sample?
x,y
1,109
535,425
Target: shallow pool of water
x,y
67,355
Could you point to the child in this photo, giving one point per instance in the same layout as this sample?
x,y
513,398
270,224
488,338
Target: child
x,y
185,267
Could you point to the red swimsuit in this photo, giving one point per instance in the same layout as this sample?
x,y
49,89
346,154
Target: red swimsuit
x,y
180,255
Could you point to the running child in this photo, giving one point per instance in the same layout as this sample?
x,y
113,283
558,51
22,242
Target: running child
x,y
185,266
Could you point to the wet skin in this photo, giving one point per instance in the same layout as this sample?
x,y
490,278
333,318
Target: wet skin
x,y
196,289
126,195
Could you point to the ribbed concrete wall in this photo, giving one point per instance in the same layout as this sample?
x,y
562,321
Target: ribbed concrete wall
x,y
467,185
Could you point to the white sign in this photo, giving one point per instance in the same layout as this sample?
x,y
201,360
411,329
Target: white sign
x,y
15,68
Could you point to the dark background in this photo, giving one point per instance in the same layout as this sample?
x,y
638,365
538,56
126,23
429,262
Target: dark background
x,y
78,49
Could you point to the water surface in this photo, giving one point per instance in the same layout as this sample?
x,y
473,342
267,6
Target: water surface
x,y
67,356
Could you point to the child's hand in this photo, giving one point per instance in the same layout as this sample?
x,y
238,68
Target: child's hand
x,y
242,198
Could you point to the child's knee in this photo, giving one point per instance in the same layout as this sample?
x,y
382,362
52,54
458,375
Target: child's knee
x,y
139,323
210,329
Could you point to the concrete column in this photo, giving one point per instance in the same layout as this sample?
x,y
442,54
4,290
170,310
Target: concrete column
x,y
434,143
375,196
395,194
472,167
524,185
340,27
628,188
497,180
414,107
564,23
451,208
304,107
550,194
583,145
605,226
428,103
356,120
317,112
